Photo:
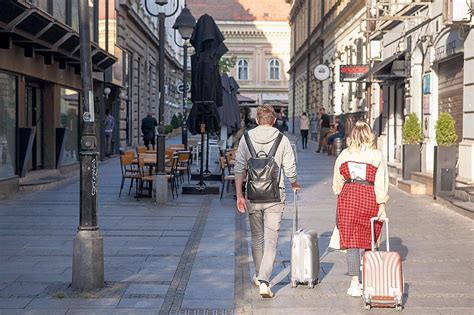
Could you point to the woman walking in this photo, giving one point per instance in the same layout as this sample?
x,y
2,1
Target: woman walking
x,y
361,183
304,129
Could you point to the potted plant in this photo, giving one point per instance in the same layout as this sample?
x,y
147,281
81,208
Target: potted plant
x,y
445,156
412,138
175,122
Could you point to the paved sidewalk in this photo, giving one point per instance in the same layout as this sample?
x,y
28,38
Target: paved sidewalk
x,y
192,255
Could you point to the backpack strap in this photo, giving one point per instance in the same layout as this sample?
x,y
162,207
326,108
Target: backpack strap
x,y
275,145
249,145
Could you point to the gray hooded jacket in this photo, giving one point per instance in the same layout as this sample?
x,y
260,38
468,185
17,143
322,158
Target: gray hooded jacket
x,y
262,138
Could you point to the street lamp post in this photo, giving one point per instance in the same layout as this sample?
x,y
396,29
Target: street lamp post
x,y
161,182
184,23
88,255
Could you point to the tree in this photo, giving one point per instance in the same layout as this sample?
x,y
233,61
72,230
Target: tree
x,y
412,130
445,131
225,64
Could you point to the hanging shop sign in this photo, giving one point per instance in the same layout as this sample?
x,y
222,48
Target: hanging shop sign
x,y
321,72
350,73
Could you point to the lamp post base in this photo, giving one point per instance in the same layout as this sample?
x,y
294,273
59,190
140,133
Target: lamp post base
x,y
161,189
88,260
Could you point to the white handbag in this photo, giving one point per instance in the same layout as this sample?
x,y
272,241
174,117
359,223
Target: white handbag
x,y
335,241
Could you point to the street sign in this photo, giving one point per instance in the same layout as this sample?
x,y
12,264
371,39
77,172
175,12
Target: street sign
x,y
350,73
180,87
321,72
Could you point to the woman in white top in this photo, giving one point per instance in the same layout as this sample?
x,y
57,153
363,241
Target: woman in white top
x,y
304,129
361,183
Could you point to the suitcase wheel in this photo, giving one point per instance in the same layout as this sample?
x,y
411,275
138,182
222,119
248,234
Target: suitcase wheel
x,y
367,306
310,284
398,307
294,283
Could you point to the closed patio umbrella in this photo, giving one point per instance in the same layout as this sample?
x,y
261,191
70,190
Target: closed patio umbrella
x,y
206,86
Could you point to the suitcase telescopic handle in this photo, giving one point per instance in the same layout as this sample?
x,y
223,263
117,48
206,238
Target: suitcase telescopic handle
x,y
295,214
372,232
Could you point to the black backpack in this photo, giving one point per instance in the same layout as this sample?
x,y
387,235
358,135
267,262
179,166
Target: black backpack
x,y
263,174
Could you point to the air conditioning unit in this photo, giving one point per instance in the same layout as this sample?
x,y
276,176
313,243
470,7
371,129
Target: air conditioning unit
x,y
457,11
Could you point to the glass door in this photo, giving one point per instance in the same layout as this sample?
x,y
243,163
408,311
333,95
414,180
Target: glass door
x,y
34,119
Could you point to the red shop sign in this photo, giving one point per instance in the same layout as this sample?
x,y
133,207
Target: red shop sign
x,y
350,73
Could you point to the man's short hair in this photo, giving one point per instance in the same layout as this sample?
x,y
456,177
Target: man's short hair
x,y
265,115
322,109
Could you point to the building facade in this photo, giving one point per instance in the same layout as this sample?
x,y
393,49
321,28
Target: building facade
x,y
406,57
257,35
425,53
138,38
40,98
330,33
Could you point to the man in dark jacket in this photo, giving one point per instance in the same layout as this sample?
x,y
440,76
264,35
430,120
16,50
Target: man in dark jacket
x,y
148,130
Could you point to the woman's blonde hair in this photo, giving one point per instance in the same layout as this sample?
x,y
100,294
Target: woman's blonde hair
x,y
361,136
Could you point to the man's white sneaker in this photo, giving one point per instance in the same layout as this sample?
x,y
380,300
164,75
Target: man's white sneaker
x,y
255,280
265,291
355,290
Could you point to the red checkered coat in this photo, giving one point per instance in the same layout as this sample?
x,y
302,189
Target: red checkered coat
x,y
356,205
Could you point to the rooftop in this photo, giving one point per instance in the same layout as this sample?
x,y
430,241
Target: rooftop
x,y
241,10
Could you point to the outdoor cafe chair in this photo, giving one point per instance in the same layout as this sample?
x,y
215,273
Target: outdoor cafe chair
x,y
225,178
129,171
141,150
129,152
184,164
143,177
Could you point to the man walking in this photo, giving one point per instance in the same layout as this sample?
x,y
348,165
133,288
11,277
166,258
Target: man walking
x,y
264,217
109,124
148,130
324,123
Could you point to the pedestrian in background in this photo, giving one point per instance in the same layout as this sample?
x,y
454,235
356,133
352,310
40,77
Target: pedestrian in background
x,y
280,123
314,126
324,125
149,124
304,130
109,124
360,181
340,132
264,217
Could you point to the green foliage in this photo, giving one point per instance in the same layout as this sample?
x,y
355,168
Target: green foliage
x,y
225,64
445,131
412,130
168,129
180,118
175,121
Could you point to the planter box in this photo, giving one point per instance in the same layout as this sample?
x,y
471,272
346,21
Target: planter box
x,y
444,177
411,160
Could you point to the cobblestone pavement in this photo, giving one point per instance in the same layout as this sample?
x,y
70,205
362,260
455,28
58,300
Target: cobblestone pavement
x,y
192,256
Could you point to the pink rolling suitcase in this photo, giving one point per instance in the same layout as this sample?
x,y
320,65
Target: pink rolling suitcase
x,y
382,277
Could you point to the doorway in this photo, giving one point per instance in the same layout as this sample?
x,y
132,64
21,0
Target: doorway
x,y
34,119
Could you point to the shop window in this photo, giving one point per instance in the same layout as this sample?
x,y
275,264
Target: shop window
x,y
243,69
59,10
7,125
70,121
274,70
41,4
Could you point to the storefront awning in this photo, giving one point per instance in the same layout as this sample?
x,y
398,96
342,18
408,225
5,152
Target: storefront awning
x,y
391,68
244,99
24,25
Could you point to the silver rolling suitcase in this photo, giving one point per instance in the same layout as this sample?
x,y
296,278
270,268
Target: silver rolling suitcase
x,y
304,253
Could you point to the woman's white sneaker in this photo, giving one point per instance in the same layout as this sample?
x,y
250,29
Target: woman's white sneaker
x,y
355,289
265,291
